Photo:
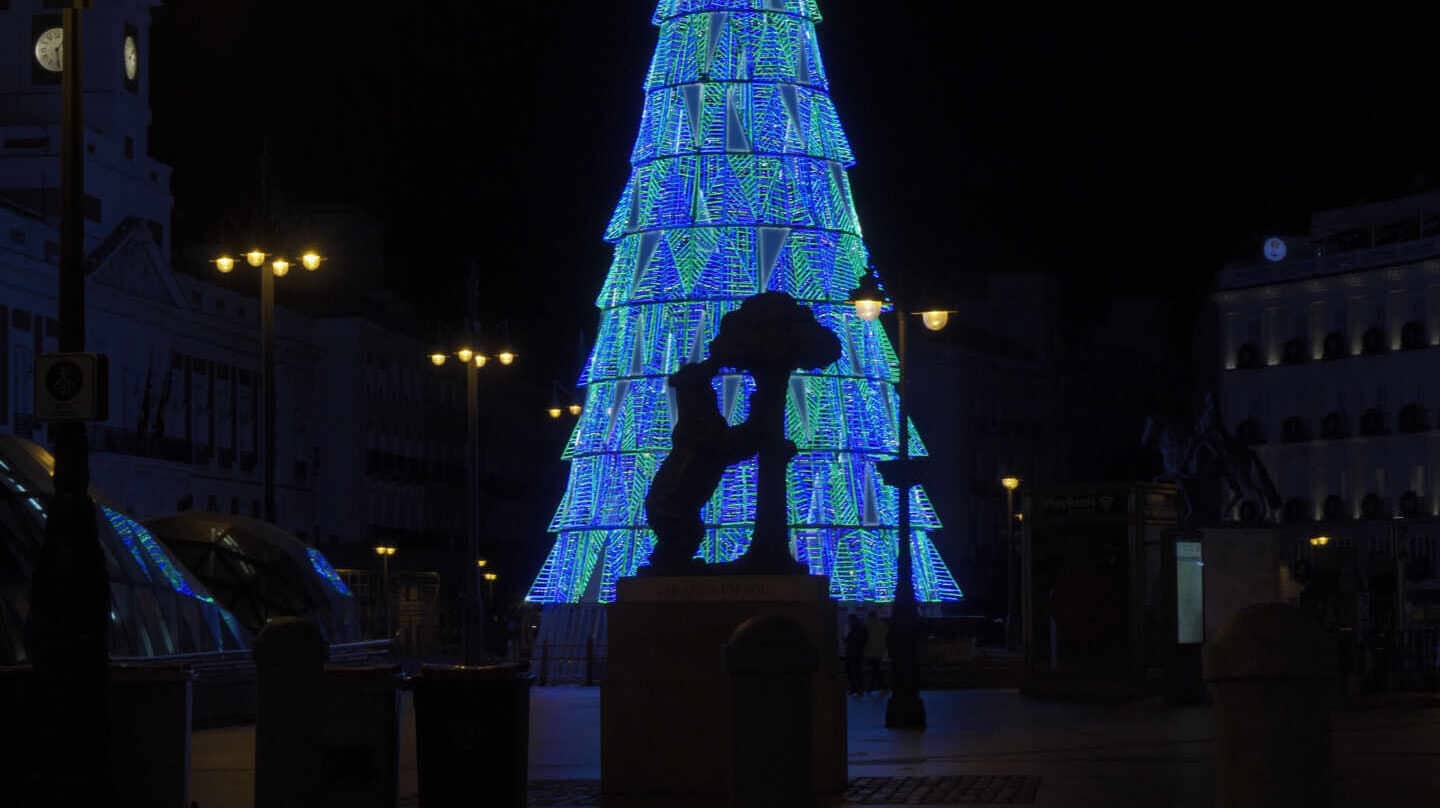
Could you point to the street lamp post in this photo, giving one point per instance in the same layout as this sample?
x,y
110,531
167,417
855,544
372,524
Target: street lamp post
x,y
385,551
1011,589
69,587
905,709
279,268
473,627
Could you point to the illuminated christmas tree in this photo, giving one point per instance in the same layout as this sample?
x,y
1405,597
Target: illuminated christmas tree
x,y
738,186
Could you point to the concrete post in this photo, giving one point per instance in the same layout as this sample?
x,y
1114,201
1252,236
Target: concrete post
x,y
771,662
1270,672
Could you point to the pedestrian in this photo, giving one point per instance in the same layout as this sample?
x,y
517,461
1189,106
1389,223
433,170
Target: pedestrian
x,y
855,654
876,631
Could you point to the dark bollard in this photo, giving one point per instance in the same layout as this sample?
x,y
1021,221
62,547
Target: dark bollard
x,y
771,663
472,734
1271,673
150,736
290,656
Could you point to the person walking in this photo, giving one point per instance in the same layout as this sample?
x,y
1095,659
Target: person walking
x,y
855,637
876,631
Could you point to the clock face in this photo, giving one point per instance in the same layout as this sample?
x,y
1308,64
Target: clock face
x,y
1275,249
132,58
49,49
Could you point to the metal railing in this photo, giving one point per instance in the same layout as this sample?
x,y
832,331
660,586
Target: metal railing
x,y
232,662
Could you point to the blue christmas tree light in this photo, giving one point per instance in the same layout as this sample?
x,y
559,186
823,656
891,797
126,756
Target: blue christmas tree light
x,y
738,186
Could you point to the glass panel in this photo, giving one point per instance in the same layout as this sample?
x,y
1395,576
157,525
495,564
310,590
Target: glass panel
x,y
1189,593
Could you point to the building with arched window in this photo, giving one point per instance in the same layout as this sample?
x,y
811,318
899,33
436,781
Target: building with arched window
x,y
1330,362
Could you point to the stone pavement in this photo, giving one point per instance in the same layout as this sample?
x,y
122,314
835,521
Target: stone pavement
x,y
981,745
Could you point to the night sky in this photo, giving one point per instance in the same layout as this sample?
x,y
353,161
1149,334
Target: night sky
x,y
1128,155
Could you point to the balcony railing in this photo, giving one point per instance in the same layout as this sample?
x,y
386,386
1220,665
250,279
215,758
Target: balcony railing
x,y
129,442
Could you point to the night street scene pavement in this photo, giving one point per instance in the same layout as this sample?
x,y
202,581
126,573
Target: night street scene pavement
x,y
700,403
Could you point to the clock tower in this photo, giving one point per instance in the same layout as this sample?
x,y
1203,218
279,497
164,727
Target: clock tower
x,y
122,181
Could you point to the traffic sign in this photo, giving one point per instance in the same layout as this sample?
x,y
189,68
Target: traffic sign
x,y
72,387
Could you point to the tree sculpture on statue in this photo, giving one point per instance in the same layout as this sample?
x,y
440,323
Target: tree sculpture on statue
x,y
770,336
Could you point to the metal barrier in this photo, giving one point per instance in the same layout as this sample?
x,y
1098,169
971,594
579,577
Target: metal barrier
x,y
569,664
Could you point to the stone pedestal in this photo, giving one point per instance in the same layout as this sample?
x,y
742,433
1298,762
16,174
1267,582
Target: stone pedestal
x,y
667,704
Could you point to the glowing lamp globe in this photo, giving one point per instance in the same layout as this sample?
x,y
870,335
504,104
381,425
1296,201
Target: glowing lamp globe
x,y
935,320
281,267
465,354
224,263
480,360
554,412
576,409
311,261
481,562
437,359
869,300
505,357
1319,541
490,576
255,258
1010,483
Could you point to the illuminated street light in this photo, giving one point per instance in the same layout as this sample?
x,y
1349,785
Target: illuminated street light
x,y
480,360
437,359
905,709
555,412
935,320
464,354
1010,483
279,268
576,409
869,300
1319,541
481,562
505,357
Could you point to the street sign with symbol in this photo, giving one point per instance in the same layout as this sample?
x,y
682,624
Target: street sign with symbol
x,y
72,387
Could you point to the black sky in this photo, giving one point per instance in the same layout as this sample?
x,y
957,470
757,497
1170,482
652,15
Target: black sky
x,y
1128,155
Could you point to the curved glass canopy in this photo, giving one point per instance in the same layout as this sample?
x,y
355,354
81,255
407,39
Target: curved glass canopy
x,y
157,608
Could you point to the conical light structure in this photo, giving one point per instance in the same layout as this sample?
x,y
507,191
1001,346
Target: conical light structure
x,y
738,186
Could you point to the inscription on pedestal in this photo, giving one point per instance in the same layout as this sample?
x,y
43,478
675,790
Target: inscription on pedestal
x,y
723,589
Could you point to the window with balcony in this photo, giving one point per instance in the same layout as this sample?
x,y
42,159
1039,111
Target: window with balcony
x,y
1410,504
1372,423
1333,426
1334,347
1248,356
1250,432
1413,418
1334,507
1295,352
1412,335
1296,509
1372,507
1295,430
1373,342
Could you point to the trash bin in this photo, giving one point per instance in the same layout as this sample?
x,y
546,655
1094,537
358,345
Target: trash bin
x,y
150,735
472,733
1271,674
357,743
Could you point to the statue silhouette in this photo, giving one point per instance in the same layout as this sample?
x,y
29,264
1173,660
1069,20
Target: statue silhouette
x,y
703,445
770,336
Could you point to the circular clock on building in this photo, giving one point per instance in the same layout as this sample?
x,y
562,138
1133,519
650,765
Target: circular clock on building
x,y
1275,249
132,58
49,49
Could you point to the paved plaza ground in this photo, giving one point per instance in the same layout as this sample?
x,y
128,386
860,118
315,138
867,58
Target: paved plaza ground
x,y
983,747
